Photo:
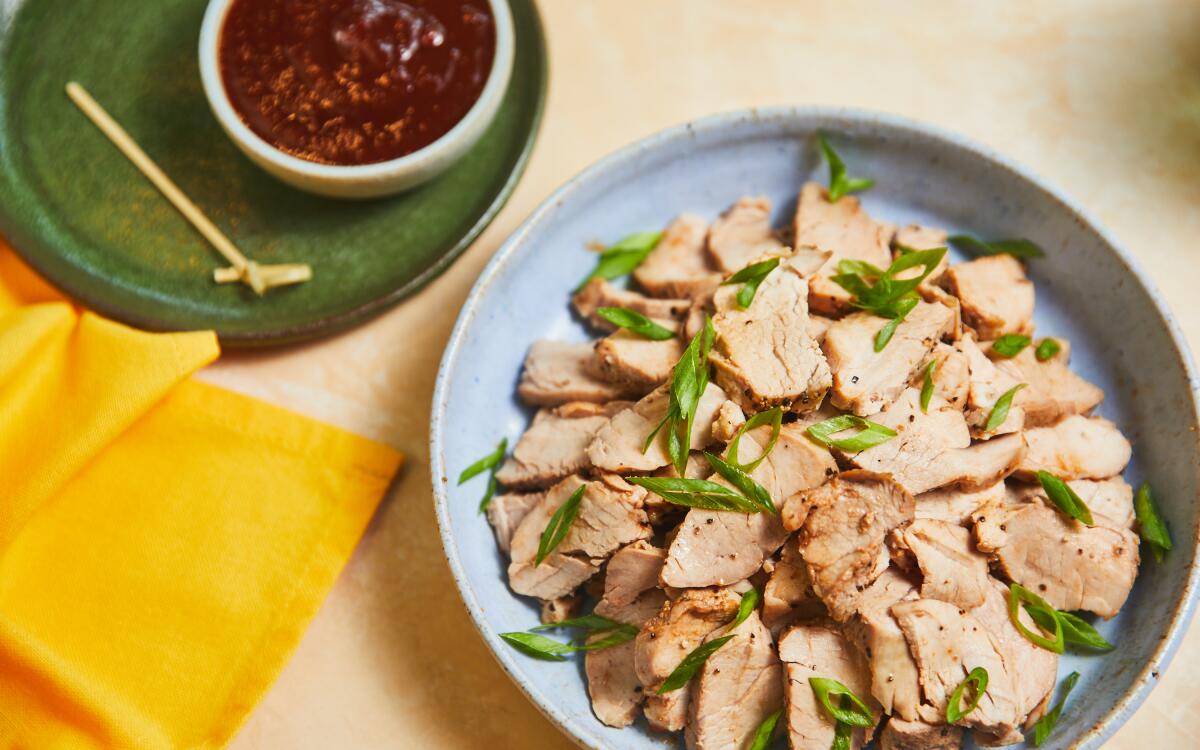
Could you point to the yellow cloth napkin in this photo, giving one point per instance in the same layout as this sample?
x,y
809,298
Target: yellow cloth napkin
x,y
163,543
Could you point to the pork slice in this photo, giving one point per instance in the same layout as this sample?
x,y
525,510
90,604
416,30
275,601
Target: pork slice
x,y
739,686
1076,448
878,638
720,547
1053,391
934,449
951,377
764,356
679,267
505,512
678,628
599,293
952,570
630,596
632,570
742,235
637,363
842,540
995,295
788,596
1034,668
820,650
947,643
557,372
1070,565
899,734
954,505
610,515
864,380
845,230
1109,500
618,445
987,384
554,447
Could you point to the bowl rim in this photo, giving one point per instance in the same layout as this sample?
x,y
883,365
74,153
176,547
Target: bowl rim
x,y
1167,645
443,147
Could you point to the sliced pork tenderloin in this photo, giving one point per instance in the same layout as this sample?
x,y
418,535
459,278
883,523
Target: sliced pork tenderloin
x,y
763,355
1070,565
610,515
506,511
996,297
842,540
947,642
679,266
631,596
719,547
845,230
636,363
934,449
877,636
599,293
1076,448
951,375
1034,667
678,628
820,650
788,596
986,385
742,235
739,685
554,446
557,372
1109,500
864,380
1052,390
955,505
952,570
618,445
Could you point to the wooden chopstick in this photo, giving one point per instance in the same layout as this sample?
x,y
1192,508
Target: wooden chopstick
x,y
259,278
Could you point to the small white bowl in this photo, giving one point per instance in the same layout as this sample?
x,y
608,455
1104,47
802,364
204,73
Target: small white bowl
x,y
365,180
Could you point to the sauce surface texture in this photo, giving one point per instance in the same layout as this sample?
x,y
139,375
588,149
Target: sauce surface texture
x,y
354,81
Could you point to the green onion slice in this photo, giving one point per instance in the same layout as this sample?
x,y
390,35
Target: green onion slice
x,y
857,715
1001,408
635,322
870,433
1045,725
773,417
977,678
559,524
623,257
1065,498
1010,344
927,386
1151,525
1018,595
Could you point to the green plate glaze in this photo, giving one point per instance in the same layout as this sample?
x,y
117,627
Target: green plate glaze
x,y
85,218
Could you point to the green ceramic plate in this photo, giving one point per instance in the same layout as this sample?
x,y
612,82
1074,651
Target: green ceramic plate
x,y
87,220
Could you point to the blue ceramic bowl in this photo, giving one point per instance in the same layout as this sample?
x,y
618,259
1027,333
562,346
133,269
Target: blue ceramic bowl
x,y
1089,290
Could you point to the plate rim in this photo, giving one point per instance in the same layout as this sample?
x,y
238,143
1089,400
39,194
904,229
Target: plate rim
x,y
1146,679
328,325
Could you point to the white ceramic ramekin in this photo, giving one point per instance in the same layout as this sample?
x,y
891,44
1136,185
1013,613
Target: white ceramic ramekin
x,y
366,180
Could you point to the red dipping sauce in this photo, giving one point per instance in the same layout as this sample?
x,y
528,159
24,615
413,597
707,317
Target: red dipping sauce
x,y
355,81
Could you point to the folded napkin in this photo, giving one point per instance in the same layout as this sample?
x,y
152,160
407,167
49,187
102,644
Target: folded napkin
x,y
163,542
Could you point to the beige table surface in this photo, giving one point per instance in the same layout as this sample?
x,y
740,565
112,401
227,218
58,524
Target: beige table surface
x,y
1103,98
